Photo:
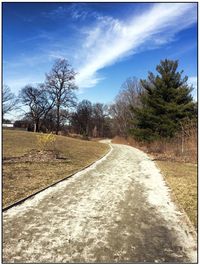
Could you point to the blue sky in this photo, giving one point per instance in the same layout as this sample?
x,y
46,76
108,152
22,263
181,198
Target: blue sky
x,y
104,42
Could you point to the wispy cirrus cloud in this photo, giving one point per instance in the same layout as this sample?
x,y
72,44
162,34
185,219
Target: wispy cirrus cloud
x,y
41,36
97,40
110,40
59,11
73,10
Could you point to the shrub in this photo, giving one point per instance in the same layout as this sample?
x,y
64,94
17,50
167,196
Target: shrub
x,y
46,141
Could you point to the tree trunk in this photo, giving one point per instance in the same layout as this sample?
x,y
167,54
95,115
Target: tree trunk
x,y
58,119
36,126
182,138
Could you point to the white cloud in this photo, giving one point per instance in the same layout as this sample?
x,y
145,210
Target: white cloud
x,y
104,42
111,40
74,10
18,83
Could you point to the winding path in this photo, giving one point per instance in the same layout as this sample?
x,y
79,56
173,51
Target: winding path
x,y
117,210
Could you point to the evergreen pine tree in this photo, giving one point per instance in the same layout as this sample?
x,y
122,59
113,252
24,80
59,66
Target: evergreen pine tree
x,y
165,102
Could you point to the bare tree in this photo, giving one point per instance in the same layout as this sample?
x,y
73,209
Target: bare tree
x,y
84,116
128,97
38,103
8,99
99,113
61,86
48,121
91,120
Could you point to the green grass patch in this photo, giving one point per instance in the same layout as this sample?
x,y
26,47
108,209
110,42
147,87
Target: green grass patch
x,y
22,178
182,179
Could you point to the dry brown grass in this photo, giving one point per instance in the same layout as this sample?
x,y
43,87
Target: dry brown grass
x,y
180,148
22,178
129,141
182,179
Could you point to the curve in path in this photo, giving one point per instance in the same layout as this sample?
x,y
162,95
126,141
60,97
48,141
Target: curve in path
x,y
118,210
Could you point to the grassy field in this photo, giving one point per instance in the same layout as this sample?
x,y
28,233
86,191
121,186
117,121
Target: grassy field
x,y
182,179
22,177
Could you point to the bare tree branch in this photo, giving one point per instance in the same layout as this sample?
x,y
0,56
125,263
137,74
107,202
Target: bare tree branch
x,y
38,102
9,100
60,84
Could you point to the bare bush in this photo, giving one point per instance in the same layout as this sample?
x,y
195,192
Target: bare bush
x,y
182,147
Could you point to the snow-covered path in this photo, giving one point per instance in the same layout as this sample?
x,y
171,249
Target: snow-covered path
x,y
118,210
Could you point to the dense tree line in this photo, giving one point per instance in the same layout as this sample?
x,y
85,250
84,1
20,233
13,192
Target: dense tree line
x,y
91,120
149,109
